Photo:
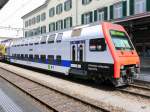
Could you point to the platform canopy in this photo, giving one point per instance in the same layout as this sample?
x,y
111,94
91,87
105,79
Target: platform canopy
x,y
2,3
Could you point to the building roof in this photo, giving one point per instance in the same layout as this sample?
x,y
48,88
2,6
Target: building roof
x,y
2,3
36,9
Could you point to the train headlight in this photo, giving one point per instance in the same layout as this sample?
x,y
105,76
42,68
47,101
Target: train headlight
x,y
122,67
137,65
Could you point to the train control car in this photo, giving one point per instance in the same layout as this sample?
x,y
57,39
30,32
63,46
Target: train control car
x,y
100,51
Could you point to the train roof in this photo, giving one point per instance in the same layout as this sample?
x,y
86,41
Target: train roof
x,y
75,33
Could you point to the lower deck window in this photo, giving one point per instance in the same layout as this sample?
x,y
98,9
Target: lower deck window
x,y
30,57
43,58
58,59
50,59
26,57
36,58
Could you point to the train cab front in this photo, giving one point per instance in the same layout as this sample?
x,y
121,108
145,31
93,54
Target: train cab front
x,y
126,59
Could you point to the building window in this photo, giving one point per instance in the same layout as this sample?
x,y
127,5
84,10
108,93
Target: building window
x,y
84,2
140,6
68,5
51,27
100,15
43,16
52,12
59,9
59,25
33,20
30,22
68,22
26,24
87,18
43,29
118,9
38,18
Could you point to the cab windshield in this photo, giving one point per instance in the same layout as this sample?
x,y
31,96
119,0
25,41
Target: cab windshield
x,y
121,40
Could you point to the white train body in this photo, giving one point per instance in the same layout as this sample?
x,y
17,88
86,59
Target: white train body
x,y
75,51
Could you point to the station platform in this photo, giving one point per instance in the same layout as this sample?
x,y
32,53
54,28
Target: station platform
x,y
12,99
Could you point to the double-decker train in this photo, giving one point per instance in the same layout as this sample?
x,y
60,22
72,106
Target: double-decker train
x,y
101,51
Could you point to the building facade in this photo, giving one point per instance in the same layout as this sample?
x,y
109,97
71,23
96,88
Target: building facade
x,y
55,15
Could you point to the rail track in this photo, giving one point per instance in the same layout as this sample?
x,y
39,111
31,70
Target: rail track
x,y
54,100
136,90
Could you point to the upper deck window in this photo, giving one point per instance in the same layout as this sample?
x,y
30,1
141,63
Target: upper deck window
x,y
43,40
121,40
59,37
51,38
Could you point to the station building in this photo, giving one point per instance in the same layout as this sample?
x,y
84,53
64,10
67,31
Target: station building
x,y
55,15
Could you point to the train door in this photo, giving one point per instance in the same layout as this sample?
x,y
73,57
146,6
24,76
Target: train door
x,y
77,53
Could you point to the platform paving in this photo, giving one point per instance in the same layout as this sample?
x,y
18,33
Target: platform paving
x,y
12,101
96,96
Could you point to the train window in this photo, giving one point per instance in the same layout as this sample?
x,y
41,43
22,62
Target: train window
x,y
43,58
22,57
59,37
50,59
121,40
30,57
36,43
81,53
26,44
58,59
18,56
36,58
26,57
15,56
51,38
97,44
30,43
43,40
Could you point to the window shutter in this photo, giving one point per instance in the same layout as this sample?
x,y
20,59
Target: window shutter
x,y
111,12
124,4
131,7
49,27
56,25
95,15
105,13
70,21
91,17
82,19
61,24
65,23
148,5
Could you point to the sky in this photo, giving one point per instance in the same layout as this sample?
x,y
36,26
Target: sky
x,y
11,13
